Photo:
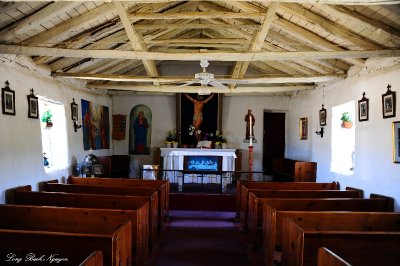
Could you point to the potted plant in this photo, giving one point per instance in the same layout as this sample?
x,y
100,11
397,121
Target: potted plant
x,y
346,120
46,118
221,140
171,139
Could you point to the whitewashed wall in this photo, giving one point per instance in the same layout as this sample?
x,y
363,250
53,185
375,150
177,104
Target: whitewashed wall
x,y
234,127
374,170
21,161
234,110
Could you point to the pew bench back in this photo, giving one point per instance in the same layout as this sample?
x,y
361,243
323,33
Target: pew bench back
x,y
275,209
163,185
69,248
148,193
255,210
243,196
78,220
300,246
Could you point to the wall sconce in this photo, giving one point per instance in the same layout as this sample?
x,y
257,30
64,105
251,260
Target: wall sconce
x,y
320,132
76,126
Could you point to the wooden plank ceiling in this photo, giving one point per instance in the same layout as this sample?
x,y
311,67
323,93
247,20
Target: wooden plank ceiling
x,y
157,45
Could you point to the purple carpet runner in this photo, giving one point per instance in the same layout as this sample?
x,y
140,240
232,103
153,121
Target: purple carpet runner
x,y
194,238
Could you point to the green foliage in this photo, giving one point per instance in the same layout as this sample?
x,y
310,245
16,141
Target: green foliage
x,y
171,136
346,117
46,117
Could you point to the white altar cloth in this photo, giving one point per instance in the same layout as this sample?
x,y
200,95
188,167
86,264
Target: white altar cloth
x,y
174,160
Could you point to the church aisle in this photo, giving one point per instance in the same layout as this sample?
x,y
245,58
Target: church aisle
x,y
197,238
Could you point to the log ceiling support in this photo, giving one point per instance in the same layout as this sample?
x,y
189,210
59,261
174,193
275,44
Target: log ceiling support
x,y
136,40
240,68
194,56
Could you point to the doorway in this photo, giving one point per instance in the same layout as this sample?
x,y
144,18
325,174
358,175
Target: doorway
x,y
273,139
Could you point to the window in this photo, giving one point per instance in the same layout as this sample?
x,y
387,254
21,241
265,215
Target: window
x,y
54,135
343,140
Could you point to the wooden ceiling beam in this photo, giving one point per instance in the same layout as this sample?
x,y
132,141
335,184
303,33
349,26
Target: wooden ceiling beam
x,y
195,89
187,26
209,55
332,2
330,26
136,40
250,80
373,24
194,15
311,39
29,23
240,68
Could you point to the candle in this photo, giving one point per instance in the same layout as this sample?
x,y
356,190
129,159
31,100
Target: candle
x,y
251,133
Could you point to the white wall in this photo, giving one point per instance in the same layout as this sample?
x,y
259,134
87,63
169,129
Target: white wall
x,y
374,170
234,110
21,161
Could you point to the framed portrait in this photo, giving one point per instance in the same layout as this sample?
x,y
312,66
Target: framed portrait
x,y
303,128
363,109
396,142
8,100
322,116
33,106
74,110
389,103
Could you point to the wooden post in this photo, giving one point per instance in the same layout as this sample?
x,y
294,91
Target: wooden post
x,y
250,162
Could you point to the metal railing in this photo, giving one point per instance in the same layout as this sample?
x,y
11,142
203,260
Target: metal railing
x,y
201,181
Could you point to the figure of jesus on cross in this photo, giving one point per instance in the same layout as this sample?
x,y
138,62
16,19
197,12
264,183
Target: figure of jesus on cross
x,y
198,112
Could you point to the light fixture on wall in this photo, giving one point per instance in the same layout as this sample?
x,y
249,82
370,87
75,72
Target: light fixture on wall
x,y
74,115
320,132
77,125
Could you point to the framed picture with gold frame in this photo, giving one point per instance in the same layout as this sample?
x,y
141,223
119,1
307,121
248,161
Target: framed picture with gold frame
x,y
303,128
396,142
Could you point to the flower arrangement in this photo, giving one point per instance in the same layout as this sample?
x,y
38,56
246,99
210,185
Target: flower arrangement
x,y
171,136
220,137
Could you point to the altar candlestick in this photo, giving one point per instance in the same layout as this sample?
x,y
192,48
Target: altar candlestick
x,y
251,132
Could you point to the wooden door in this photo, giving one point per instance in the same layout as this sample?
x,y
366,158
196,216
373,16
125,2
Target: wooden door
x,y
273,139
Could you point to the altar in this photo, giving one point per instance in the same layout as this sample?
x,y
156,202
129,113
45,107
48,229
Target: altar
x,y
191,165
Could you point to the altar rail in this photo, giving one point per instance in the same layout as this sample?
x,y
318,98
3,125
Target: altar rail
x,y
201,181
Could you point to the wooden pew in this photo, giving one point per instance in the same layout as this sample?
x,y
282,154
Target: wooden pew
x,y
79,220
289,170
162,185
274,210
150,194
24,196
328,258
246,186
254,219
94,259
48,247
375,243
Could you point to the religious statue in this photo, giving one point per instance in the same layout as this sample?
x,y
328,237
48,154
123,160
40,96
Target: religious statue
x,y
249,118
198,112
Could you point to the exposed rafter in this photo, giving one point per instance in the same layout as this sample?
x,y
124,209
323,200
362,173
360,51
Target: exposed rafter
x,y
195,56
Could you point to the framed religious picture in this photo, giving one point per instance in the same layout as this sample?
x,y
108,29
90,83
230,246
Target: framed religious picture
x,y
389,103
322,116
303,128
33,106
198,117
74,110
396,142
363,109
8,100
